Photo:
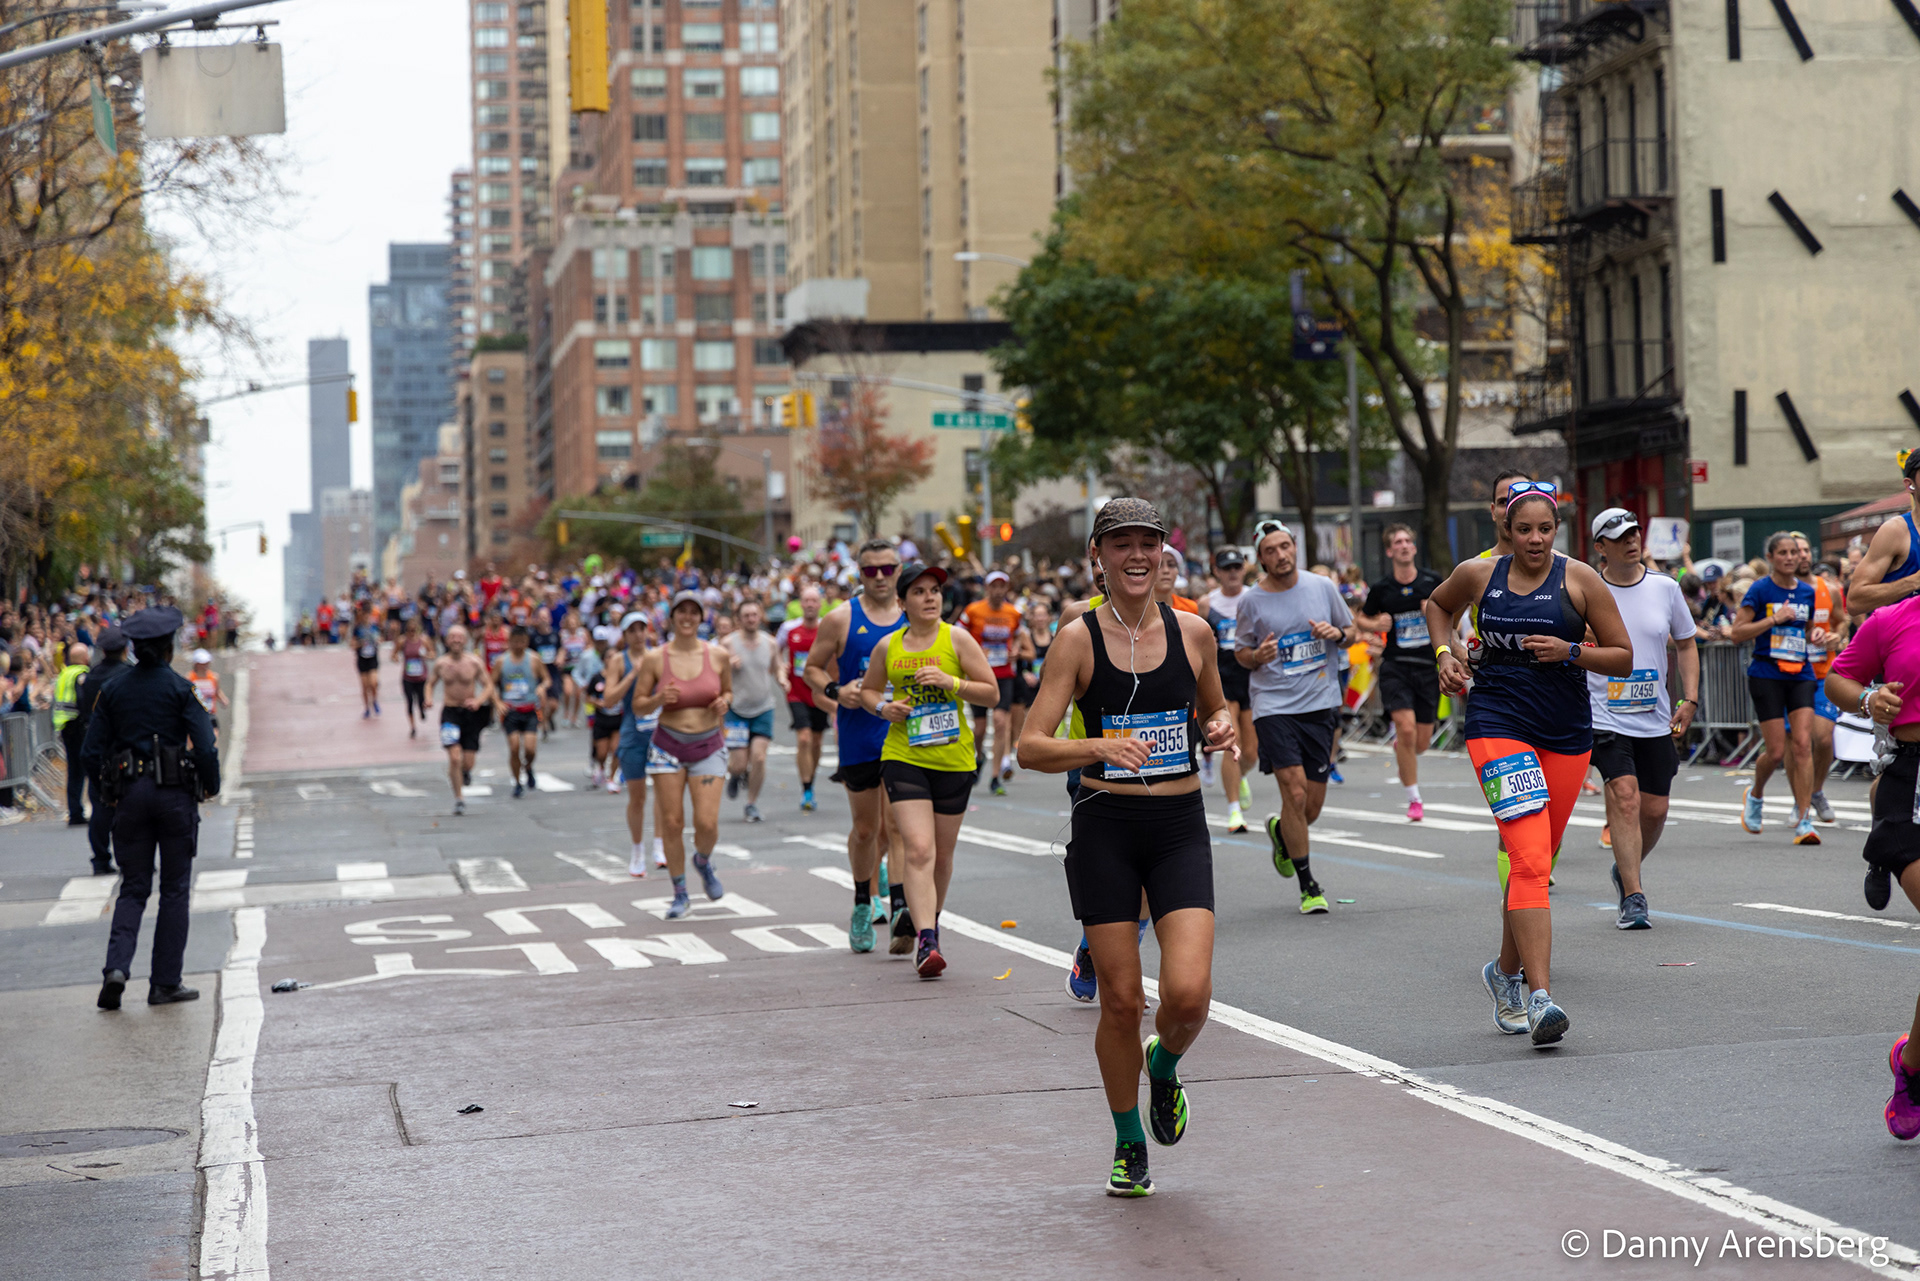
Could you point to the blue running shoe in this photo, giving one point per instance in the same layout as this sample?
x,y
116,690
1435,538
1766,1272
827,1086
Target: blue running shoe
x,y
1509,992
1750,814
680,906
1547,1021
704,866
806,800
860,930
1633,913
1335,775
1081,984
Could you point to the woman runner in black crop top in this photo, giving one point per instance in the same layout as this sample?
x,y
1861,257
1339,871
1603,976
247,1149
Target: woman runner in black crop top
x,y
1136,674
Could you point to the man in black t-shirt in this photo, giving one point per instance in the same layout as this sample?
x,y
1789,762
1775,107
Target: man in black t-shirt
x,y
1409,685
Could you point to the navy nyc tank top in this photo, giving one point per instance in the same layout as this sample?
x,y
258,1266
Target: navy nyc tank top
x,y
1159,710
1515,695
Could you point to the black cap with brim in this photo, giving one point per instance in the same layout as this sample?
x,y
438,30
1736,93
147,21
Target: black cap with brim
x,y
914,569
1228,558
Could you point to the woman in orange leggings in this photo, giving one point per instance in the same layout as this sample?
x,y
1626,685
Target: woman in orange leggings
x,y
1529,725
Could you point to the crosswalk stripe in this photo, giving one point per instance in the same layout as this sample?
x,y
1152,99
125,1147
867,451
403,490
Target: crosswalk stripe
x,y
360,871
217,898
395,788
1573,820
598,864
220,879
1400,820
553,782
489,875
82,899
837,844
1005,841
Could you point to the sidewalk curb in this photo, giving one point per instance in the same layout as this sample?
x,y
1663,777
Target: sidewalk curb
x,y
237,748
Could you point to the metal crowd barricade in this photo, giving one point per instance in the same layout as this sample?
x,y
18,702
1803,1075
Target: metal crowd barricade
x,y
1727,730
28,750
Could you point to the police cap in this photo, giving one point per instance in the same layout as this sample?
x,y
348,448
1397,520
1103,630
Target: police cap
x,y
112,640
152,623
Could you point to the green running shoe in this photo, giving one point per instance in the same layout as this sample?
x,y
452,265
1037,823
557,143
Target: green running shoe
x,y
860,930
1281,863
1167,1110
1313,904
1246,792
1129,1175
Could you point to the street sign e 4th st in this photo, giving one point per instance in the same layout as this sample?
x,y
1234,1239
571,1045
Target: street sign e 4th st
x,y
974,421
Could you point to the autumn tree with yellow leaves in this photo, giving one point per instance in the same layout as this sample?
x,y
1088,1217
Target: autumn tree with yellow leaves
x,y
98,438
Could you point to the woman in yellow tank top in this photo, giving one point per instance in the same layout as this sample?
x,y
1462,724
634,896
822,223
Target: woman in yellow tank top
x,y
917,679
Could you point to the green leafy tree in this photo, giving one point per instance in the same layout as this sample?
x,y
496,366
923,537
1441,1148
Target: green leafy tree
x,y
684,486
1243,140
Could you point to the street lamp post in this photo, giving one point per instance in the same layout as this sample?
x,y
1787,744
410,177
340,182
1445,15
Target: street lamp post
x,y
766,485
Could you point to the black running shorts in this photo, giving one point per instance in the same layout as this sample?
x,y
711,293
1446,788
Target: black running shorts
x,y
1006,698
460,727
1124,844
605,726
1022,692
947,789
367,664
807,717
1414,686
1304,739
1234,680
1773,700
861,776
521,721
1894,841
1652,761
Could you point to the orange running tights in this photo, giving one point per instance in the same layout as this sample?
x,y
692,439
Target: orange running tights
x,y
1531,840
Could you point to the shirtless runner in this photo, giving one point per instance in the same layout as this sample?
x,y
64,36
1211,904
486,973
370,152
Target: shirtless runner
x,y
463,711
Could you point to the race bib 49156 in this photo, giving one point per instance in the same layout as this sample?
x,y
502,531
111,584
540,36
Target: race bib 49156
x,y
1515,786
933,724
1165,734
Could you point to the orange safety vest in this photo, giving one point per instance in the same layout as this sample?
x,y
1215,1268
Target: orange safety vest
x,y
1822,613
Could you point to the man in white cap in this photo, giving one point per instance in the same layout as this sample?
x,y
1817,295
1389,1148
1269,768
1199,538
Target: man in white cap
x,y
206,688
997,624
1634,728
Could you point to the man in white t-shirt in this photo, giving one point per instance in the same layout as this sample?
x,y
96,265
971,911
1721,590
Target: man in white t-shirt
x,y
1634,728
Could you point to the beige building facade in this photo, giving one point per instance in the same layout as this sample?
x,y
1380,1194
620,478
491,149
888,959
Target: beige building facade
x,y
432,543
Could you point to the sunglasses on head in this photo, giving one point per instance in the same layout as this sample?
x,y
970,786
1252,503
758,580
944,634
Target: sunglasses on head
x,y
1520,487
879,571
1265,527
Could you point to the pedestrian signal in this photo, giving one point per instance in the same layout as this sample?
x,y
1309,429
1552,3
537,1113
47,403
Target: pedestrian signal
x,y
1005,532
263,544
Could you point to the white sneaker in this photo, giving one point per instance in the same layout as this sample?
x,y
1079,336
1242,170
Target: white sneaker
x,y
659,853
637,860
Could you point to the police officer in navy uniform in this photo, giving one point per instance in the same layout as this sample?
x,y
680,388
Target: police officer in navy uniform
x,y
111,667
152,742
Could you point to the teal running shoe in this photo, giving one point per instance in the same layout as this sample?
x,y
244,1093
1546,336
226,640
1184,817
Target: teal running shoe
x,y
860,929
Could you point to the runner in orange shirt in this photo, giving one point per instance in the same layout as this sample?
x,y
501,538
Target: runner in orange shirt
x,y
997,625
1171,563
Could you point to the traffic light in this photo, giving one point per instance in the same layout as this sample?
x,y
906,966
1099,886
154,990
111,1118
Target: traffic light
x,y
1005,533
946,536
968,539
807,415
789,410
353,405
560,532
263,544
587,54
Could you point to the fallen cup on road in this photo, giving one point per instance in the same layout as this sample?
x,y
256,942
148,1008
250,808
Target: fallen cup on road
x,y
470,1109
290,985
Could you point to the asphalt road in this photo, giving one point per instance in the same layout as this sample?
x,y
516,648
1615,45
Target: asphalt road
x,y
1740,1042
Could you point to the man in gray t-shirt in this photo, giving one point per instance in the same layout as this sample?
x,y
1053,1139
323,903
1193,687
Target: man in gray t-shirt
x,y
758,676
1288,632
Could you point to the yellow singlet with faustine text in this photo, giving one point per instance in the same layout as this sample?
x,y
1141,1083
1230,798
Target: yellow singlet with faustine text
x,y
938,734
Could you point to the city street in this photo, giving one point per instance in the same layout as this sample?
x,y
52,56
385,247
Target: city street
x,y
736,1094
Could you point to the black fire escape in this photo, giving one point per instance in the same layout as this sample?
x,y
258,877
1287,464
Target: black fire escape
x,y
1593,197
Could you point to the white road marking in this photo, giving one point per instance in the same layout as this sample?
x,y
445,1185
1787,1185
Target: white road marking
x,y
1353,840
233,1228
632,954
82,899
489,875
395,788
513,920
394,965
1400,820
1573,820
764,937
838,875
547,958
1830,916
233,749
384,932
598,864
1004,841
1667,1176
430,885
553,783
731,905
312,791
835,844
226,879
360,871
472,790
733,851
1781,803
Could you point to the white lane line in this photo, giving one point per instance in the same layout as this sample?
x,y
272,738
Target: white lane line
x,y
1780,803
233,1230
553,783
835,844
489,875
82,899
1573,820
1667,1176
1830,916
212,898
233,752
1400,820
732,851
598,864
395,788
359,871
1006,841
223,879
1336,837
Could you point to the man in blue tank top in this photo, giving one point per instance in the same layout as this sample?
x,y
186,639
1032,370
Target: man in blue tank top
x,y
1890,571
835,665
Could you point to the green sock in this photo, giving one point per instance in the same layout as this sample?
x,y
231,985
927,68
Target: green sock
x,y
1126,1127
1162,1064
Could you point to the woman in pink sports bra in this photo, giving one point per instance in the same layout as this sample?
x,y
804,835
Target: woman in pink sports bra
x,y
691,683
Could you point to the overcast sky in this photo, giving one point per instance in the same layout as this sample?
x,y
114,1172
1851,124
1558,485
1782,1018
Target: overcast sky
x,y
377,118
